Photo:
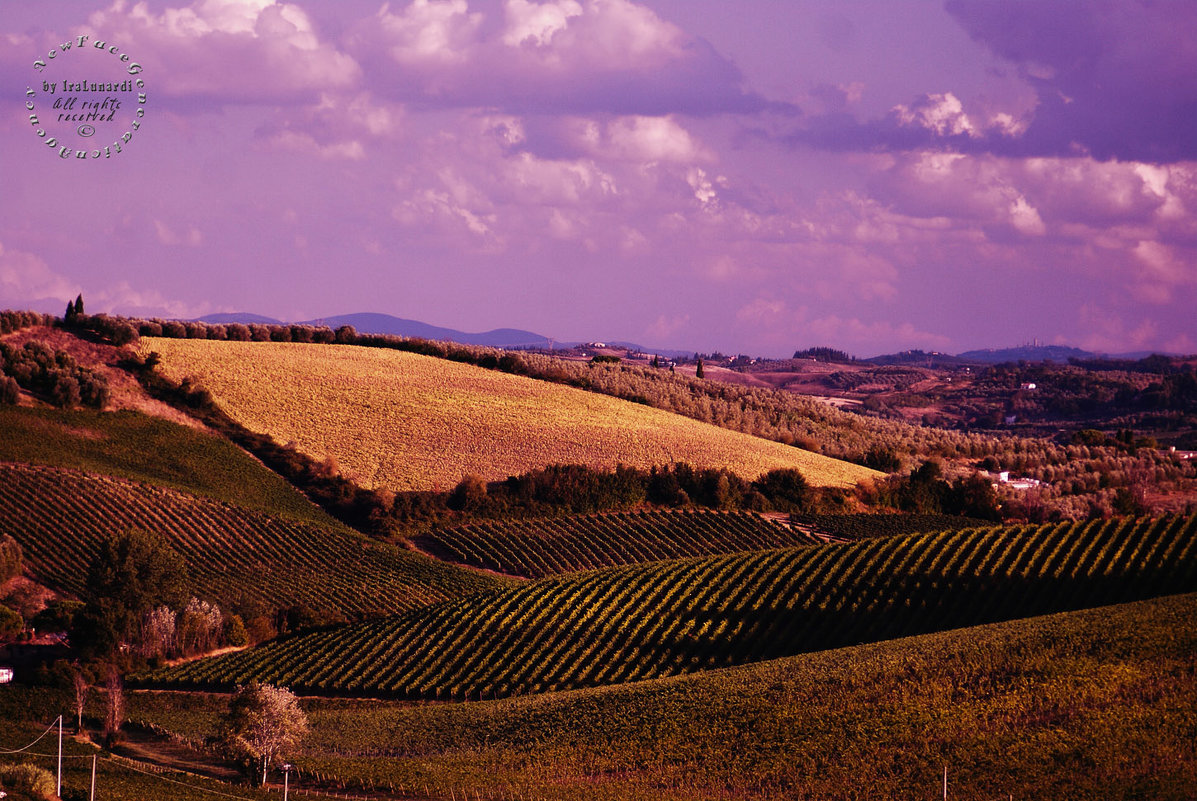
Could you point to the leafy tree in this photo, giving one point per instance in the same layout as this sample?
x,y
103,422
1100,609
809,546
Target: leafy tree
x,y
132,573
234,632
469,494
11,624
57,616
881,458
263,723
10,559
786,489
10,390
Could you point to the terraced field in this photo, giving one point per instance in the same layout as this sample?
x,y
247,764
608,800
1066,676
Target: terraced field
x,y
404,421
647,621
539,548
60,518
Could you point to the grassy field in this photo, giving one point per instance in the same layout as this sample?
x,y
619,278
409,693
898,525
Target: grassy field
x,y
135,446
646,621
403,421
1088,705
61,518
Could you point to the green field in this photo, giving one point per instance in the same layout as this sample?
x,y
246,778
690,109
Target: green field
x,y
135,446
538,548
639,622
61,518
1093,705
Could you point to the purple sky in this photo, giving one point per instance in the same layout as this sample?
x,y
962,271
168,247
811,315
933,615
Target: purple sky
x,y
747,177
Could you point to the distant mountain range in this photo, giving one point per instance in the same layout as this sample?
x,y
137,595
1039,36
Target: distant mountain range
x,y
373,323
369,323
1059,354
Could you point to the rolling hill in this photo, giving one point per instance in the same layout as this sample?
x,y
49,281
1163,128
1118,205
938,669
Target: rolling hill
x,y
404,421
61,517
647,621
537,548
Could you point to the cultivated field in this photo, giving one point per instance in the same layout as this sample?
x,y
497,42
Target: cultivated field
x,y
135,446
61,517
404,421
647,621
539,548
1092,705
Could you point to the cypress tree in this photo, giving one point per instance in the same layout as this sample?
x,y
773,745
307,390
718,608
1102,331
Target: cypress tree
x,y
698,372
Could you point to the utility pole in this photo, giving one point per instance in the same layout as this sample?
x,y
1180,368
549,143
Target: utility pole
x,y
60,756
92,797
286,778
945,783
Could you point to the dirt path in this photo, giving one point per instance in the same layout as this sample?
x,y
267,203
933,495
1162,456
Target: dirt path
x,y
157,751
146,746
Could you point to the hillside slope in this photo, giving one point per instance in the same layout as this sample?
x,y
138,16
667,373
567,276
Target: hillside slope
x,y
61,517
404,421
535,548
1094,705
129,444
646,621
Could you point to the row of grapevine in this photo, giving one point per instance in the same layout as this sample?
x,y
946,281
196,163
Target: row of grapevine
x,y
657,619
546,547
60,518
862,526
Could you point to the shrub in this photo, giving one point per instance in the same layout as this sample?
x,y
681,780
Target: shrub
x,y
30,779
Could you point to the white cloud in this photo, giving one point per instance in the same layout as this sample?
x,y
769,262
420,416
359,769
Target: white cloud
x,y
941,113
25,277
430,32
536,23
227,50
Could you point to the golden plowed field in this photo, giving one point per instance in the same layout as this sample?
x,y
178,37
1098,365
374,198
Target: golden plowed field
x,y
409,422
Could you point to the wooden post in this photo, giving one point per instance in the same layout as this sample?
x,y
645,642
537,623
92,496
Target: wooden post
x,y
92,796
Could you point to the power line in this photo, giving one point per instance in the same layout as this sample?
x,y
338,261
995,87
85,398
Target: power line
x,y
49,729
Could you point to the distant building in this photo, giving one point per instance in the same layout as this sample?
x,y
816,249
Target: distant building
x,y
6,675
1028,385
1017,483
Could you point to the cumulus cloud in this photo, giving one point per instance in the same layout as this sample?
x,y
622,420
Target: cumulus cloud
x,y
227,51
563,56
1109,79
1115,79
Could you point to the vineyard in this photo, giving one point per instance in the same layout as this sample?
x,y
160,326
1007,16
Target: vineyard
x,y
61,517
646,621
138,447
538,548
404,421
863,526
